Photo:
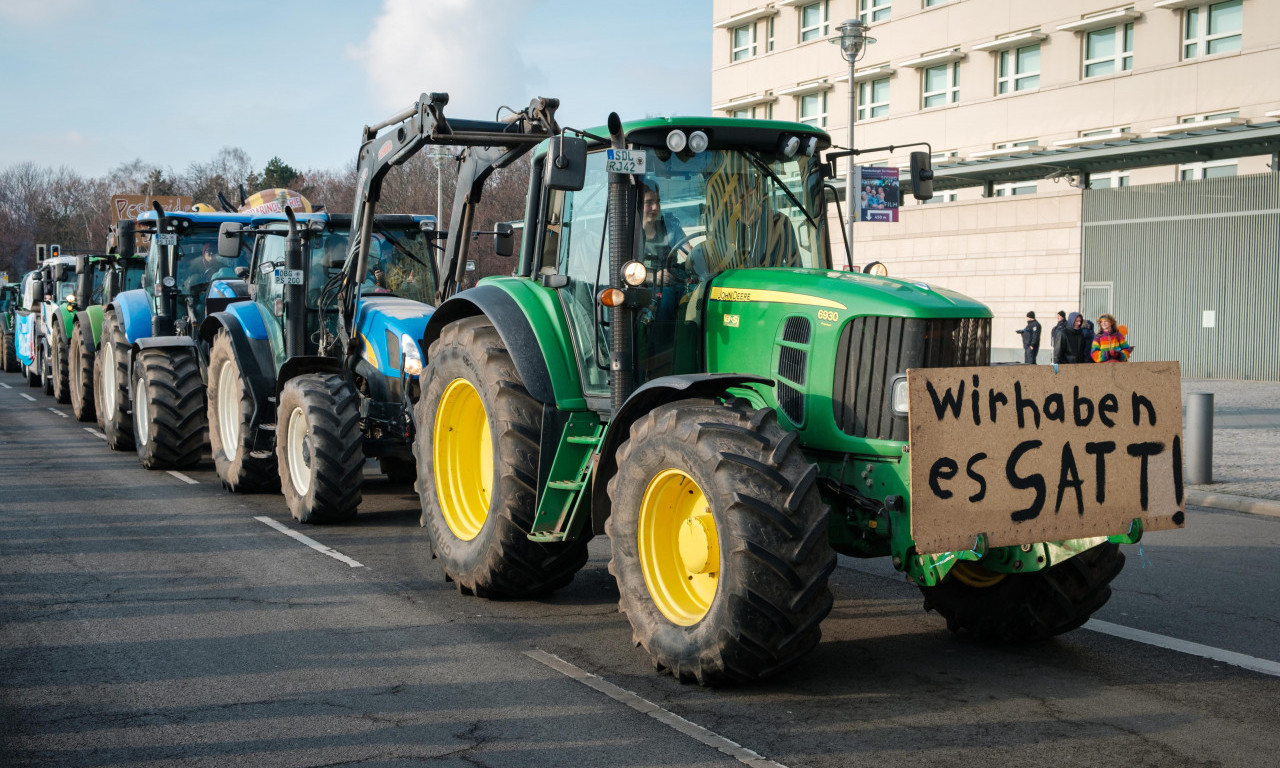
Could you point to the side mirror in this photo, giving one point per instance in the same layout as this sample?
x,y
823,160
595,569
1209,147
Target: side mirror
x,y
504,241
921,175
60,274
37,292
229,240
242,273
82,265
565,166
126,238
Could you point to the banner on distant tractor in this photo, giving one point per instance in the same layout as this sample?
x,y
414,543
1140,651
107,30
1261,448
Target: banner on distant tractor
x,y
878,193
275,201
1024,453
129,206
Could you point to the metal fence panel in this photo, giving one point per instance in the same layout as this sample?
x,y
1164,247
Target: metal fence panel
x,y
1195,270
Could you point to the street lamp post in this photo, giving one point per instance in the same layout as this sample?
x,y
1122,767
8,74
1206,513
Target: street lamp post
x,y
853,42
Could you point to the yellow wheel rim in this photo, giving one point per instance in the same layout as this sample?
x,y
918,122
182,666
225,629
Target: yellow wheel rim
x,y
462,453
974,575
679,547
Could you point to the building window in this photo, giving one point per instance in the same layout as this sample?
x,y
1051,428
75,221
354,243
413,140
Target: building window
x,y
932,3
941,85
1212,169
1108,180
1109,50
740,113
744,41
813,109
769,41
1019,69
814,19
1017,187
873,98
874,10
1212,28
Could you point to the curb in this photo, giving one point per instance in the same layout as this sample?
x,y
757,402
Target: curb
x,y
1231,503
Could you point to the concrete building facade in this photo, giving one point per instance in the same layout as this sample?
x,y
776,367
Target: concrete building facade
x,y
986,78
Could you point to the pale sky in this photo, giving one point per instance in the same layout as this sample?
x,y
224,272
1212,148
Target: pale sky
x,y
91,84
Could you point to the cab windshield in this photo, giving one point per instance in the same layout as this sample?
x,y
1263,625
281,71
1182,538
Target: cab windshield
x,y
199,264
729,209
400,264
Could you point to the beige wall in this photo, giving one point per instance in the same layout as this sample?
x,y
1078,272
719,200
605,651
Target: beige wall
x,y
1015,253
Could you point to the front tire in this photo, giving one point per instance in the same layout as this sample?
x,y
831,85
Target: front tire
x,y
46,370
231,431
111,374
319,448
58,377
169,428
1026,607
477,452
80,373
719,542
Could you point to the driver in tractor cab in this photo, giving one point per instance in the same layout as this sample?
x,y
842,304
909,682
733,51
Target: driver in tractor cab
x,y
662,233
202,271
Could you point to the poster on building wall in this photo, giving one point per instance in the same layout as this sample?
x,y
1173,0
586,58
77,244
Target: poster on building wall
x,y
879,193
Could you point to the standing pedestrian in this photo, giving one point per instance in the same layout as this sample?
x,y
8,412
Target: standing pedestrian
x,y
1057,329
1073,344
1030,339
1110,346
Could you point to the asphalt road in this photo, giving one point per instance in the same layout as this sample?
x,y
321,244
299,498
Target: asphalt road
x,y
150,621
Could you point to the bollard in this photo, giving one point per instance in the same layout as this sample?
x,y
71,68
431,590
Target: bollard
x,y
1197,432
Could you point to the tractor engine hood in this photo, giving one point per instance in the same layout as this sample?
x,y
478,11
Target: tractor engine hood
x,y
382,322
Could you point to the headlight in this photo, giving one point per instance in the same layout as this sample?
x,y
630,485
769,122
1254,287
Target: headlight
x,y
412,358
698,142
898,395
676,141
634,273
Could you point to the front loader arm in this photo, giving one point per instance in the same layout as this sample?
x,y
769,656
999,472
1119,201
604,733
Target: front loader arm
x,y
421,125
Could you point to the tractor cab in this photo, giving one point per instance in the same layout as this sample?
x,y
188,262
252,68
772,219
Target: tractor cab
x,y
183,265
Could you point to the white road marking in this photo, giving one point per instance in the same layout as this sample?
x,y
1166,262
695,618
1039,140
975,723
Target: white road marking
x,y
1253,663
60,413
29,397
95,432
644,706
184,478
310,542
6,386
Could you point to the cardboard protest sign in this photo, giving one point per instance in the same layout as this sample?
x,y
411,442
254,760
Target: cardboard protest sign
x,y
129,206
1025,454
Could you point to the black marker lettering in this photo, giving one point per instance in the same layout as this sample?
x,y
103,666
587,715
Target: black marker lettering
x,y
943,469
1055,409
1100,450
1020,403
977,477
1144,451
994,397
1021,483
1177,469
1077,401
1108,404
1073,482
949,400
974,396
1139,400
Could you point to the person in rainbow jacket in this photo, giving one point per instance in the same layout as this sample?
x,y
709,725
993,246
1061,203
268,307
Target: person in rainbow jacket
x,y
1110,345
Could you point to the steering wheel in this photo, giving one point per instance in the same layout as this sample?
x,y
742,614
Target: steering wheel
x,y
685,246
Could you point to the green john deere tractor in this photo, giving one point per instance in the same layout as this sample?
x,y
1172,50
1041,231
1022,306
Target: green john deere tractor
x,y
674,363
10,298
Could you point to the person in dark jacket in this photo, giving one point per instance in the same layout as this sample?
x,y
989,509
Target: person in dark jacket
x,y
1057,329
1030,339
1074,344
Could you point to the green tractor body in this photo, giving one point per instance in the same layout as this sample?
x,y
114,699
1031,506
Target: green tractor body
x,y
676,364
98,279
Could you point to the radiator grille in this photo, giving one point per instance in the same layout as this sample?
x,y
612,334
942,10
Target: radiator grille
x,y
872,350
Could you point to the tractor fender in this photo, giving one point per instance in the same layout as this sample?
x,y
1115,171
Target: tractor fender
x,y
92,331
512,324
649,396
253,356
134,310
294,367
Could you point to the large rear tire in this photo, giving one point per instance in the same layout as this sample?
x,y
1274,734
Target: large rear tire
x,y
46,370
9,353
230,429
80,373
59,377
1026,607
319,448
111,374
477,452
169,428
719,541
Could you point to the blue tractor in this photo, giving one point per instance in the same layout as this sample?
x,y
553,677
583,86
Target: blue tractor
x,y
151,362
277,354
